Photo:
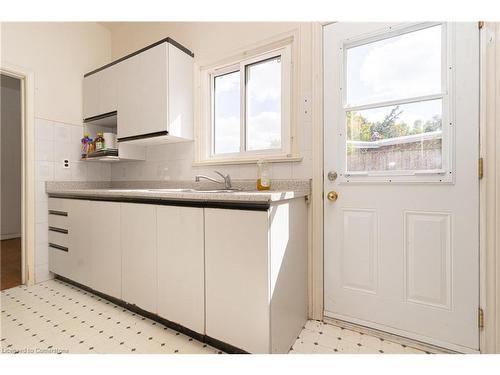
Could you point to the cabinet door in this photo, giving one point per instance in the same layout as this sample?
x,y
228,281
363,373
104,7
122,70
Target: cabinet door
x,y
181,266
108,100
99,92
90,96
79,232
105,251
237,278
142,93
180,87
138,243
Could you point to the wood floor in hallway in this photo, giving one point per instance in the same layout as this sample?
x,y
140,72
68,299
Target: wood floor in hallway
x,y
10,263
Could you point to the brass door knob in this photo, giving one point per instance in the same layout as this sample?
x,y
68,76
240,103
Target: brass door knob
x,y
332,196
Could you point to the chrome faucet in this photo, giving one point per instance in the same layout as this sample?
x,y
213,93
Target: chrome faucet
x,y
226,179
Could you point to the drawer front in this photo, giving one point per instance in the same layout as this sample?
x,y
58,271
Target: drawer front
x,y
59,205
58,238
58,221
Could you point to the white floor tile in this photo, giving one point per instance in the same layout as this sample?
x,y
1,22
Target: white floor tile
x,y
56,317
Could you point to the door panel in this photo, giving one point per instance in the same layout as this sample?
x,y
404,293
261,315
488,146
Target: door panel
x,y
237,278
139,255
180,266
105,250
359,253
401,241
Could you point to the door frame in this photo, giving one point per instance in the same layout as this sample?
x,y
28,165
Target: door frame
x,y
28,169
489,204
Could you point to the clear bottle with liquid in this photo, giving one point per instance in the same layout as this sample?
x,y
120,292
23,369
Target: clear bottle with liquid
x,y
263,180
99,142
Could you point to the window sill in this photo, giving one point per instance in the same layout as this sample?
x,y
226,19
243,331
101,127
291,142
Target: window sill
x,y
276,159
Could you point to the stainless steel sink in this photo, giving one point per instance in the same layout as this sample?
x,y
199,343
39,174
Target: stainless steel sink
x,y
195,190
173,190
217,191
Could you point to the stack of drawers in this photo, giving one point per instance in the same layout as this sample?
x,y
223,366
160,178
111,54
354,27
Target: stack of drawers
x,y
59,236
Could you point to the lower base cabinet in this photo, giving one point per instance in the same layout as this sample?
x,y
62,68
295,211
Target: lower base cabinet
x,y
256,276
105,248
238,276
180,266
138,236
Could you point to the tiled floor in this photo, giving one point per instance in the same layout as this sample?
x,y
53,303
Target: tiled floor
x,y
55,317
322,338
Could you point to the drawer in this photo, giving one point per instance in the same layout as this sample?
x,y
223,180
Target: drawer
x,y
58,238
58,221
59,262
59,204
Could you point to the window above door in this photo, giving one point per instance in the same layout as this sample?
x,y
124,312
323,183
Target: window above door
x,y
395,89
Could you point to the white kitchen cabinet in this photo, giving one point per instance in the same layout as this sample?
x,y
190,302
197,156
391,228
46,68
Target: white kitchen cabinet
x,y
104,248
79,236
256,276
180,266
100,92
155,101
138,244
59,254
237,280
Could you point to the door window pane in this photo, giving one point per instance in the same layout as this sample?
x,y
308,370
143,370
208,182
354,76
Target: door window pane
x,y
264,105
402,137
227,113
404,66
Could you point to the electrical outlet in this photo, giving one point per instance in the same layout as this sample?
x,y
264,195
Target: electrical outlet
x,y
66,163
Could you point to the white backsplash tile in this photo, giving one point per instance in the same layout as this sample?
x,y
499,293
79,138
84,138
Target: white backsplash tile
x,y
42,273
44,170
79,171
44,129
41,195
42,253
41,211
44,150
61,173
41,232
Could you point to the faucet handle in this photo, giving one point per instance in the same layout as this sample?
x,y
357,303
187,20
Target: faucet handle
x,y
221,174
227,179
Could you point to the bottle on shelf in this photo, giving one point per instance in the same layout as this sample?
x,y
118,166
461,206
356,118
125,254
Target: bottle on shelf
x,y
99,142
85,143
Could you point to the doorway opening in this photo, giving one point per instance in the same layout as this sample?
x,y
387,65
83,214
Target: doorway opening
x,y
11,255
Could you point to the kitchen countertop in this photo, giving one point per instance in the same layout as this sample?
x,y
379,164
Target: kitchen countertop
x,y
153,191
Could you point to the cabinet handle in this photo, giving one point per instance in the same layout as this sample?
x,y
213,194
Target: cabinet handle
x,y
58,247
58,213
58,230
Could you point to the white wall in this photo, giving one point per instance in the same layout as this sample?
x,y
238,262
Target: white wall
x,y
210,42
58,54
10,123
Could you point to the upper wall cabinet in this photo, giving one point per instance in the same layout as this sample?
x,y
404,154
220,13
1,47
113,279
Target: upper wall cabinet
x,y
151,90
99,93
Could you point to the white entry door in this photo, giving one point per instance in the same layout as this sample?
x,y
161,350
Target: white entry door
x,y
401,152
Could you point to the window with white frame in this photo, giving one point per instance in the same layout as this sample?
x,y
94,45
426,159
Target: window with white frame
x,y
247,107
395,100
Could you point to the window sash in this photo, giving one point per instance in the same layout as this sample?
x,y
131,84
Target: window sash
x,y
444,95
394,32
284,53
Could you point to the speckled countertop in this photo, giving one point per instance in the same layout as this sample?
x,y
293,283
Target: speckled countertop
x,y
175,191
